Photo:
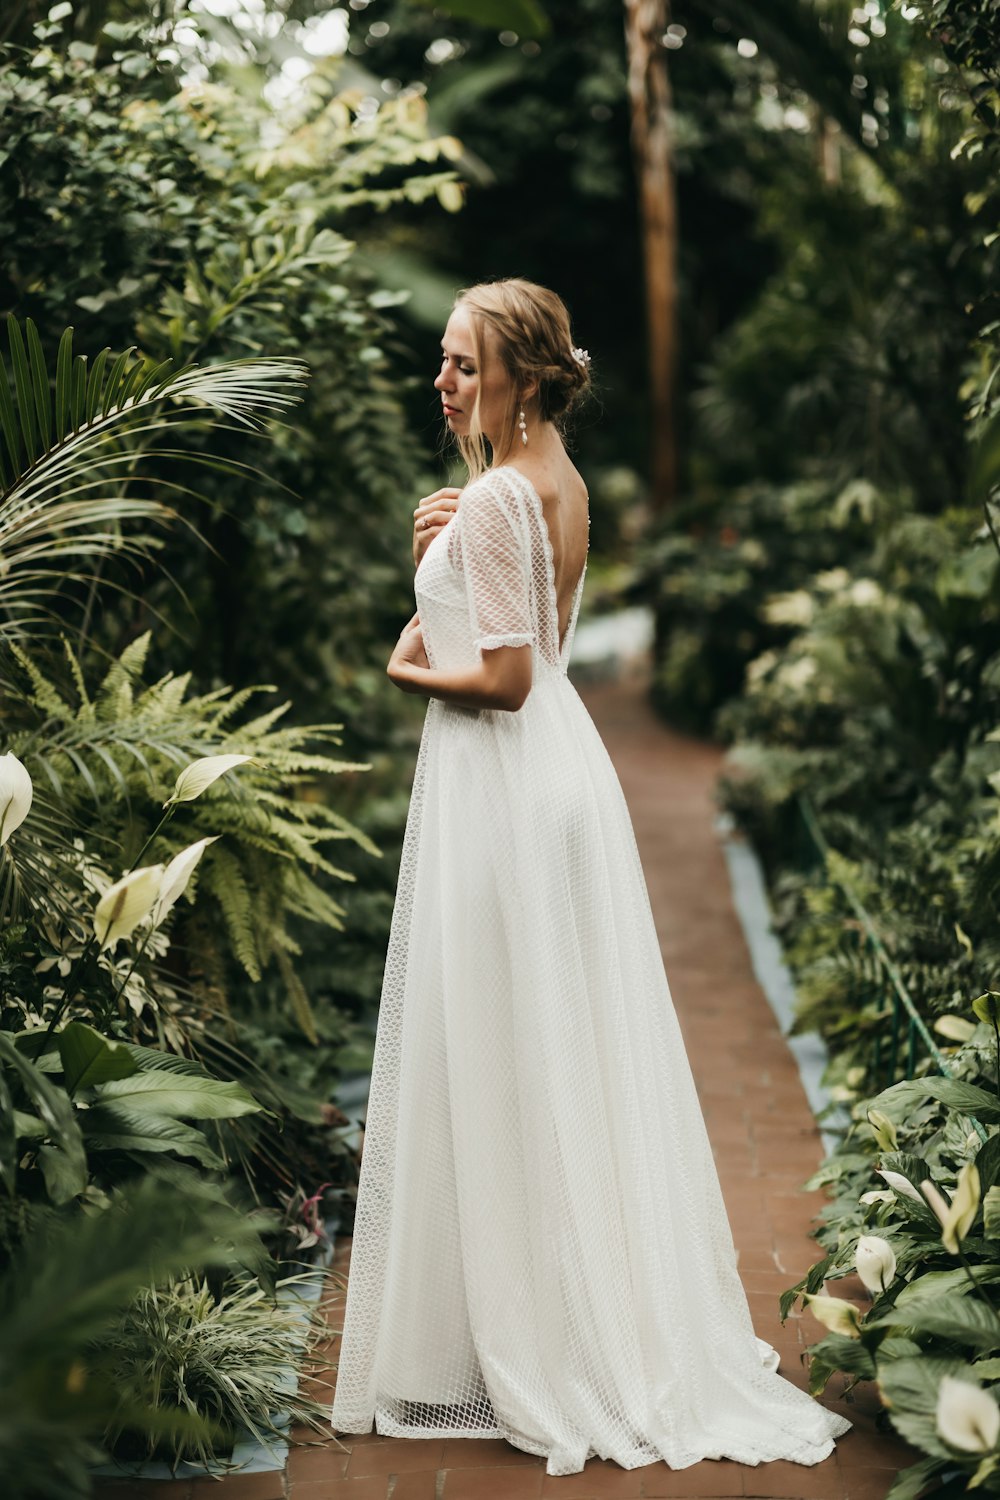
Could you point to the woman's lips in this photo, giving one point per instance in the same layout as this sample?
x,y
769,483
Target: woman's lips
x,y
450,411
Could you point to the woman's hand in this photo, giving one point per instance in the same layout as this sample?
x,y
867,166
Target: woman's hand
x,y
433,512
409,650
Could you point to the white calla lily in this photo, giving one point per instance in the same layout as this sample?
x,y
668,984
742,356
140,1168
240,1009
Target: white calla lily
x,y
15,795
883,1130
124,904
835,1313
901,1186
875,1262
956,1218
176,876
967,1417
200,774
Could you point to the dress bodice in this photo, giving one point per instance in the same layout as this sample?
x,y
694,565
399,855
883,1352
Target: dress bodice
x,y
488,579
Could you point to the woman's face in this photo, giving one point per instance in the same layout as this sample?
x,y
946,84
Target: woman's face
x,y
461,377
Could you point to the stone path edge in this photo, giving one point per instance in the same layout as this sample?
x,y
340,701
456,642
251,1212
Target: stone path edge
x,y
753,907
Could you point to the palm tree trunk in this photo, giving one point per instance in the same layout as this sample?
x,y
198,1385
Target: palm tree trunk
x,y
649,94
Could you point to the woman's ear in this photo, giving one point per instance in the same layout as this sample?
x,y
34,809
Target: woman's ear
x,y
528,392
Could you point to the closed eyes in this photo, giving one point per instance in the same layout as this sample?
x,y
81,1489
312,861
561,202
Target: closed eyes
x,y
462,368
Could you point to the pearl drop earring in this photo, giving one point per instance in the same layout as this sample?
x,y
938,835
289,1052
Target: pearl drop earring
x,y
523,427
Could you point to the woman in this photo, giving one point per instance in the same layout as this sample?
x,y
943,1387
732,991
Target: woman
x,y
541,1251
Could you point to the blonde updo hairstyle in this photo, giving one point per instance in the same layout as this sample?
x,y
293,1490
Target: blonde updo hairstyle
x,y
534,342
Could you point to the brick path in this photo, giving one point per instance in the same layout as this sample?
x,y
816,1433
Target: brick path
x,y
766,1145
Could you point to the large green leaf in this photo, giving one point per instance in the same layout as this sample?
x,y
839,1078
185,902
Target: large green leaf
x,y
166,1093
62,1159
111,1127
149,1059
960,1320
966,1097
934,1284
842,1353
988,1163
89,1058
523,16
910,1390
913,1168
910,1483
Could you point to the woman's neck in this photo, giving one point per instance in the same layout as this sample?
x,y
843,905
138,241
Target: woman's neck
x,y
544,446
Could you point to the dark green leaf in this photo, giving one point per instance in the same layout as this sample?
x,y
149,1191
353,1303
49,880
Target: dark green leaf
x,y
95,384
110,1127
910,1389
168,1093
64,1162
523,16
988,1162
64,382
960,1320
22,384
910,1483
966,1097
89,1058
40,384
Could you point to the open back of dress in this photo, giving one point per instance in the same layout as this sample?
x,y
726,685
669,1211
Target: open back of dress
x,y
541,1250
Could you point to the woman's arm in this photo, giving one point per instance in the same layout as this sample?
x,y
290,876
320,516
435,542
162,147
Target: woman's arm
x,y
502,680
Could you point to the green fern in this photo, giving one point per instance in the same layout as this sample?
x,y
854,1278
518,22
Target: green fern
x,y
109,759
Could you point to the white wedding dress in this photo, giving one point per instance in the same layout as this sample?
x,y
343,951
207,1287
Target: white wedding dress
x,y
541,1250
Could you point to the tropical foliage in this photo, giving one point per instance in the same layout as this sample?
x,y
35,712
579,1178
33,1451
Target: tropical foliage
x,y
851,660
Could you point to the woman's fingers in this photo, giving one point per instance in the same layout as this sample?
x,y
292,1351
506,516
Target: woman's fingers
x,y
443,502
433,520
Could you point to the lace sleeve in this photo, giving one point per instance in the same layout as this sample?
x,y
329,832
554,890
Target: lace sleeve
x,y
495,559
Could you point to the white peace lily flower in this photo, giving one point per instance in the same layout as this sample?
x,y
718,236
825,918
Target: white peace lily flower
x,y
832,580
836,1314
883,1130
797,674
875,1262
956,1217
865,591
176,876
967,1416
878,1195
15,795
200,774
901,1186
758,669
794,608
124,904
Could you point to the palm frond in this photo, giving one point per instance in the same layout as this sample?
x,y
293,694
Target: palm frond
x,y
70,447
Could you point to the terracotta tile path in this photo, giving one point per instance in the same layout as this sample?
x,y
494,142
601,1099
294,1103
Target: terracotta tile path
x,y
766,1145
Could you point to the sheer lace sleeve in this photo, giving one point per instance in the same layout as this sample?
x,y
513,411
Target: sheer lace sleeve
x,y
493,553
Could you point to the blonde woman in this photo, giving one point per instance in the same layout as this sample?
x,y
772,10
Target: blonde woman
x,y
541,1250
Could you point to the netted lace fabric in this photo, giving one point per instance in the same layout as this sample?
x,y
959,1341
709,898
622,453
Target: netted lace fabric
x,y
541,1250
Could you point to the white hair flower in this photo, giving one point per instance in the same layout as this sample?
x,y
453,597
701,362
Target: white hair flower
x,y
581,356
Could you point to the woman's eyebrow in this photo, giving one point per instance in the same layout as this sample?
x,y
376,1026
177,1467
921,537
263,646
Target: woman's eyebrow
x,y
469,358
